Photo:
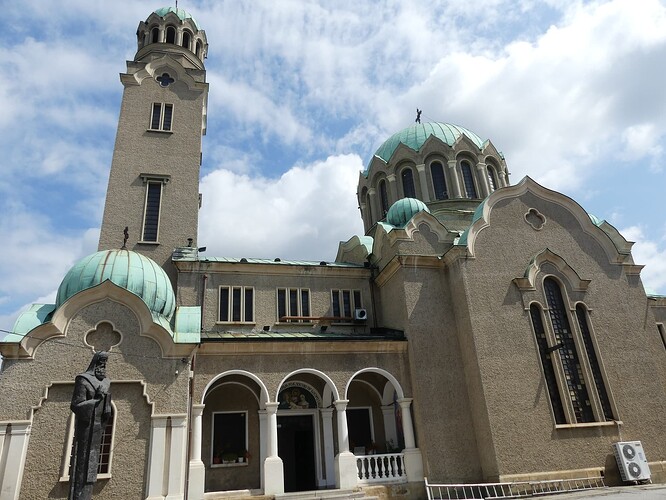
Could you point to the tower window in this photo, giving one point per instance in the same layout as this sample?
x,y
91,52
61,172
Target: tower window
x,y
154,35
492,179
199,50
383,196
408,183
171,35
186,39
151,219
438,181
468,180
161,116
236,304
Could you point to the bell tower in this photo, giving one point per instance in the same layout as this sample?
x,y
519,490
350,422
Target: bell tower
x,y
154,180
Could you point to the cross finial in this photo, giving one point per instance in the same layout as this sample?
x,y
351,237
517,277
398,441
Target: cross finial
x,y
418,115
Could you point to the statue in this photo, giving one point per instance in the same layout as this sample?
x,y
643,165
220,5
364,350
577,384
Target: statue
x,y
91,404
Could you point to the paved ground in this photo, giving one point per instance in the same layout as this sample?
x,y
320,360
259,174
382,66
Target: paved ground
x,y
640,492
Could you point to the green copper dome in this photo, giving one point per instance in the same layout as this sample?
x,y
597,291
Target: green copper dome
x,y
416,135
130,270
402,211
181,13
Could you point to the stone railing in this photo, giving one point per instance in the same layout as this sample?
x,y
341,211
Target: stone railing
x,y
386,468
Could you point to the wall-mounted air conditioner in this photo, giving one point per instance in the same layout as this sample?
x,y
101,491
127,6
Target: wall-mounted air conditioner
x,y
360,314
631,461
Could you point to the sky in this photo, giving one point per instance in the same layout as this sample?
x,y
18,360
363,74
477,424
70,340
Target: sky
x,y
301,95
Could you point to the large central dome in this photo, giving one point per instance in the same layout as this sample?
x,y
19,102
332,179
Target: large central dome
x,y
416,135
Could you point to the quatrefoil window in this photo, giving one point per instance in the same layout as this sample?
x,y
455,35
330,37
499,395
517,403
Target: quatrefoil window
x,y
165,80
535,219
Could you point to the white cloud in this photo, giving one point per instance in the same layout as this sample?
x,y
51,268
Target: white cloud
x,y
650,253
303,214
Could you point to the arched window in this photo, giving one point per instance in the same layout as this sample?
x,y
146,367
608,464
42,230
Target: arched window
x,y
199,50
154,35
468,180
438,181
547,364
573,371
171,35
583,323
492,178
368,208
408,183
383,197
186,39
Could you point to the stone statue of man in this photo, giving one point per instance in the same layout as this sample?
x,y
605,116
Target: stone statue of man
x,y
91,404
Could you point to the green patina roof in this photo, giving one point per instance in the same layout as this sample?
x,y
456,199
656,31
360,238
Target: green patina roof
x,y
416,135
181,13
130,270
402,211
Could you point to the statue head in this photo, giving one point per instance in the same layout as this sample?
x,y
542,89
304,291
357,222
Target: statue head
x,y
97,366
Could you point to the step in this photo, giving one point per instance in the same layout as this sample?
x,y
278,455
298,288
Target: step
x,y
322,495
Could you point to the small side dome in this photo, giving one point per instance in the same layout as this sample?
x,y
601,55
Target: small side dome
x,y
181,13
130,270
402,211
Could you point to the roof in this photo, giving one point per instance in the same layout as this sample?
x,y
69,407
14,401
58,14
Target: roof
x,y
181,13
179,255
130,270
417,134
402,211
268,336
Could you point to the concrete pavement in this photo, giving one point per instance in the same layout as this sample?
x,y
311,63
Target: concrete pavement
x,y
638,492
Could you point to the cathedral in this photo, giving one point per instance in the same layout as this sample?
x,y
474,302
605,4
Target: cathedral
x,y
479,331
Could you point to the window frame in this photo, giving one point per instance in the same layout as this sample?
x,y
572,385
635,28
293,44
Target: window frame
x,y
148,180
287,304
445,192
465,162
493,183
403,175
69,442
212,437
354,294
230,305
161,107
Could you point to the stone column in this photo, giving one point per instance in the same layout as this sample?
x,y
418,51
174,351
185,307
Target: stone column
x,y
413,458
196,486
423,181
345,462
156,457
263,444
177,455
482,177
454,185
273,468
329,451
14,438
375,209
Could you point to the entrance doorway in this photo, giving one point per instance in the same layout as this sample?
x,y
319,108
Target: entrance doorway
x,y
296,448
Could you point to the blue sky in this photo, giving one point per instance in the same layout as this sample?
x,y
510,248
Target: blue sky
x,y
301,95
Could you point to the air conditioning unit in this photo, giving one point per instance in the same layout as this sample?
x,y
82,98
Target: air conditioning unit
x,y
360,314
631,461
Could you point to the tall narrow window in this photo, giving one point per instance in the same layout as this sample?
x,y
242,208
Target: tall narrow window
x,y
547,364
151,219
383,196
154,35
468,179
344,303
368,207
171,35
583,323
293,304
186,39
236,304
573,371
408,183
199,50
662,333
105,447
161,117
438,181
492,178
230,441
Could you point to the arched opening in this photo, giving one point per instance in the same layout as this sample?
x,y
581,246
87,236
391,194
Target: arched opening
x,y
154,35
199,49
170,34
231,444
408,188
438,181
492,178
186,39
